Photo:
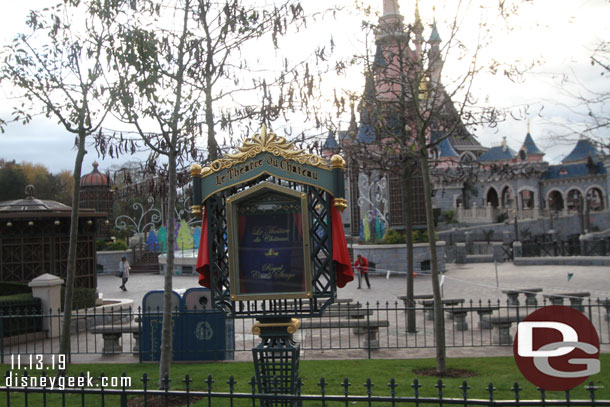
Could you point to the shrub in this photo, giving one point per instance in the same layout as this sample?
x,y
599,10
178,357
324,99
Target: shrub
x,y
11,287
393,237
100,244
15,298
81,298
420,236
502,217
25,314
116,245
451,216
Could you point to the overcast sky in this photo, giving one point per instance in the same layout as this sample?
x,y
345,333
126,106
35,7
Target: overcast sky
x,y
560,32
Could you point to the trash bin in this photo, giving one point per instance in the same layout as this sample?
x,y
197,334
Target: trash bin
x,y
152,324
205,333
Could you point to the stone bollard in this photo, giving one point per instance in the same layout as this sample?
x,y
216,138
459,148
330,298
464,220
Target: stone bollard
x,y
517,250
47,287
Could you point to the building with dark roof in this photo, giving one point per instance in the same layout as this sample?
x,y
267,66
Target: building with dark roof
x,y
96,193
35,236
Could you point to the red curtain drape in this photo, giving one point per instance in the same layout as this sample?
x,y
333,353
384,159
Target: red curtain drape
x,y
203,255
343,266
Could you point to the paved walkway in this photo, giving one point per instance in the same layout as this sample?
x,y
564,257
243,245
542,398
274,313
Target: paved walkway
x,y
468,281
482,281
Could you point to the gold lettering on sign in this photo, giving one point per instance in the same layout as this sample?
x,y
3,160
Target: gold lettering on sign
x,y
270,271
270,233
290,167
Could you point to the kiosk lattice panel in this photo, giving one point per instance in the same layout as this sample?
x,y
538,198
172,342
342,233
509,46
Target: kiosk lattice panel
x,y
323,281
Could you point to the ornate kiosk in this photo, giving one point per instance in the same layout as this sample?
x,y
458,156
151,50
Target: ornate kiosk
x,y
272,245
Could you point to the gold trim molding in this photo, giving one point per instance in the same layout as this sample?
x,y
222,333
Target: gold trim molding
x,y
340,203
266,141
291,327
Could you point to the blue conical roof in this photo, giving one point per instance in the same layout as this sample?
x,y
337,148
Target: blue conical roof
x,y
583,150
434,36
445,148
331,142
529,146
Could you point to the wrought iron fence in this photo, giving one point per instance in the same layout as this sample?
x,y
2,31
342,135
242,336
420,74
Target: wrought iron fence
x,y
212,393
570,247
360,329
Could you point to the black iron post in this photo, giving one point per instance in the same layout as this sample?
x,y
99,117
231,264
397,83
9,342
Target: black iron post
x,y
587,214
276,358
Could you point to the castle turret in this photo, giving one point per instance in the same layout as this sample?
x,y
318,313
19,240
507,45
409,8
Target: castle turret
x,y
529,151
435,59
418,29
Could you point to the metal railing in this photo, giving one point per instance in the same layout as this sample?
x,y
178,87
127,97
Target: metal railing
x,y
212,393
361,329
569,247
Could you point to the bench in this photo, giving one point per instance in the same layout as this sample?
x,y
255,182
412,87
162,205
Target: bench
x,y
404,299
576,299
502,325
460,313
352,314
369,328
530,296
111,335
484,314
429,306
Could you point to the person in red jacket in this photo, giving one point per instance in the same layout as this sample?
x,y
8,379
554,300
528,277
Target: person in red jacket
x,y
362,265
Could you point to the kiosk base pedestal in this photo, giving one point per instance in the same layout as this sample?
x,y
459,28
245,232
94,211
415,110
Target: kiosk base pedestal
x,y
276,360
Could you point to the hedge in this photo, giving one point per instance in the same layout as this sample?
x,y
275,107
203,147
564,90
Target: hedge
x,y
13,314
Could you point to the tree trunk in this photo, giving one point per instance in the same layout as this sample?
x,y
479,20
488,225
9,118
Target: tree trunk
x,y
407,213
439,318
209,119
166,333
64,345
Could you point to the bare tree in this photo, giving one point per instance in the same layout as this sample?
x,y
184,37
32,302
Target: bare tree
x,y
587,102
58,69
184,73
411,105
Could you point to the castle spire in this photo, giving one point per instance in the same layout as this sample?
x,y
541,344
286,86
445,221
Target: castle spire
x,y
390,22
418,27
390,7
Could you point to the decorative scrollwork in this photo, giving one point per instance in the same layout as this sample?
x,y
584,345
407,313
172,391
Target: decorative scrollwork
x,y
266,141
184,210
140,225
373,197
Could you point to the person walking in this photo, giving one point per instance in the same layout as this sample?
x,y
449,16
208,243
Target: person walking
x,y
362,265
124,268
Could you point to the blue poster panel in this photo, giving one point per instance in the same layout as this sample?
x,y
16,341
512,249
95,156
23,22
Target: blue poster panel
x,y
269,246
